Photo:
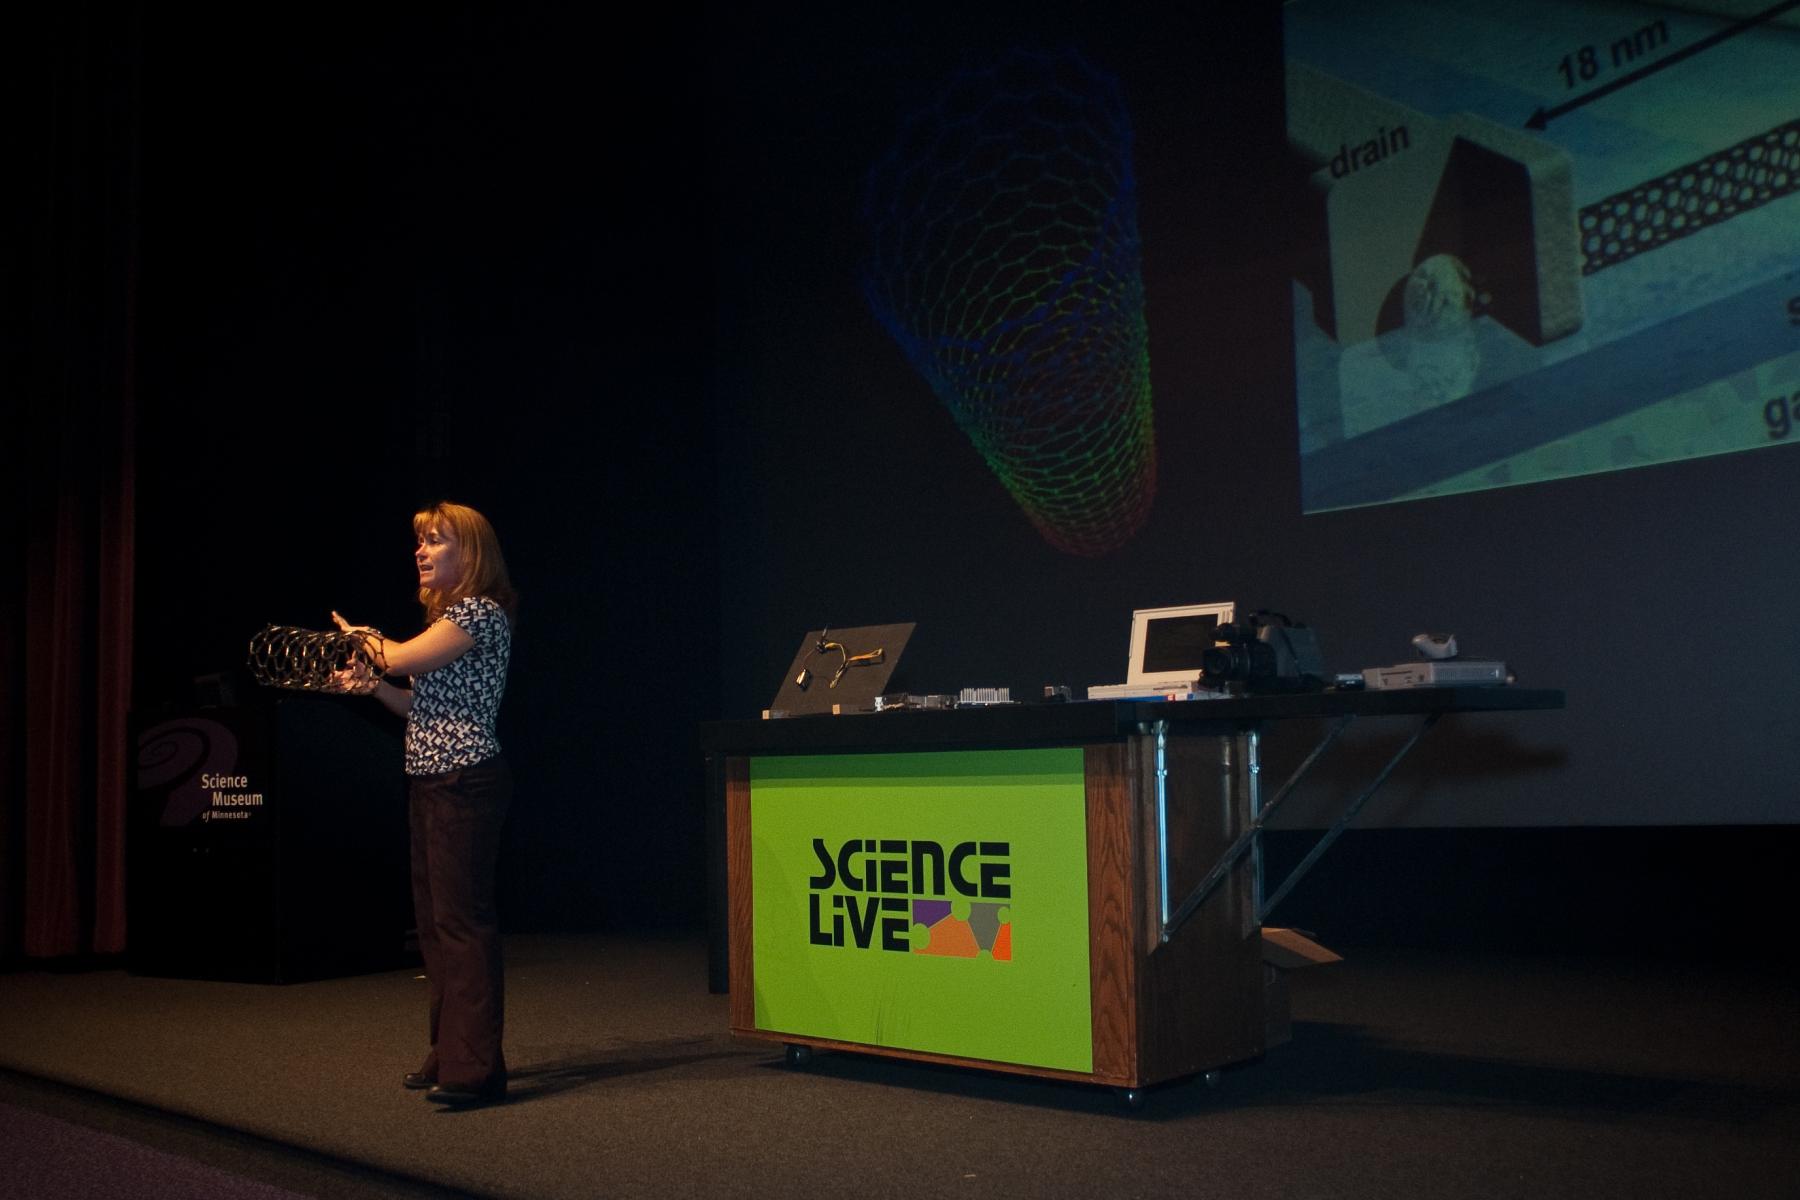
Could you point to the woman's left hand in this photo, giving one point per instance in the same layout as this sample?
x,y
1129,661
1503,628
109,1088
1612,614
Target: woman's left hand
x,y
355,680
374,643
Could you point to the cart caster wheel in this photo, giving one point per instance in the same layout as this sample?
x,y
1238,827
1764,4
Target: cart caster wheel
x,y
799,1056
1210,1079
1132,1098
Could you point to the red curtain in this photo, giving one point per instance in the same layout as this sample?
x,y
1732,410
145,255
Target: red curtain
x,y
66,641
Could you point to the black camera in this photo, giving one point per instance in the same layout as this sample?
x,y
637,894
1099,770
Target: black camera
x,y
1266,653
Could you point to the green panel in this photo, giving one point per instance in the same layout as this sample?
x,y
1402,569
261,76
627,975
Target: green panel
x,y
863,934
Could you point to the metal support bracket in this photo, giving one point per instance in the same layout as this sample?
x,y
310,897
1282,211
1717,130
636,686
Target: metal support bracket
x,y
1331,835
1245,841
1251,838
1161,732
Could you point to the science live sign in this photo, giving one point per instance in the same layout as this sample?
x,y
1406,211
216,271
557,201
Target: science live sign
x,y
930,902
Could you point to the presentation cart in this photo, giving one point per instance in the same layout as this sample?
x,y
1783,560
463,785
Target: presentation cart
x,y
1071,890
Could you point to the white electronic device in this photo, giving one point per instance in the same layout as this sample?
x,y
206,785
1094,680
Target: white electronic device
x,y
1190,690
1454,672
1166,655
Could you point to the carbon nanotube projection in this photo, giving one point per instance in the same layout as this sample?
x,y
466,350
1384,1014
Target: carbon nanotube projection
x,y
1005,262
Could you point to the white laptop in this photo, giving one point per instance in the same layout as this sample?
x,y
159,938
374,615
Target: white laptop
x,y
1167,650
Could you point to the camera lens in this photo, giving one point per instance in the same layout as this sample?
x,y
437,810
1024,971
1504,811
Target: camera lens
x,y
1239,661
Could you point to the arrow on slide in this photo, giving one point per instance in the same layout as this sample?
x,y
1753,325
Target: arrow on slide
x,y
1544,116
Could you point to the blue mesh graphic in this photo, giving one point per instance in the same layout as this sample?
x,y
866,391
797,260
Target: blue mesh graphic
x,y
1005,263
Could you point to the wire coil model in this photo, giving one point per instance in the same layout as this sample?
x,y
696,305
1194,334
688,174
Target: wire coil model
x,y
309,660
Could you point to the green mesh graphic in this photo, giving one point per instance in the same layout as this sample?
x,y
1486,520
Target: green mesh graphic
x,y
1004,261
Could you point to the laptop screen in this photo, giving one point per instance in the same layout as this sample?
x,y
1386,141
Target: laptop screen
x,y
1172,641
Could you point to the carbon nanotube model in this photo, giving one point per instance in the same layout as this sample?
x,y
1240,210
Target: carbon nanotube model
x,y
309,660
1005,262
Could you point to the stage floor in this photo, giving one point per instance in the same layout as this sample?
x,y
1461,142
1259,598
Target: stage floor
x,y
1410,1074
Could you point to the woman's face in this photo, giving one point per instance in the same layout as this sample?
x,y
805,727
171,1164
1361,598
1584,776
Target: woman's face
x,y
439,558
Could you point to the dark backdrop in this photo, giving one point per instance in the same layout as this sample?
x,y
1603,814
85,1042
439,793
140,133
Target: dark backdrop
x,y
599,282
409,253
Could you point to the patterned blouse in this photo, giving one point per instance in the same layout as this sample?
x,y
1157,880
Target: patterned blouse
x,y
451,725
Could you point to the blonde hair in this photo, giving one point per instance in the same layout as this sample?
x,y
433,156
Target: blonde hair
x,y
483,567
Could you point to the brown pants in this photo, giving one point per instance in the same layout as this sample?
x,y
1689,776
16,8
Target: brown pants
x,y
456,819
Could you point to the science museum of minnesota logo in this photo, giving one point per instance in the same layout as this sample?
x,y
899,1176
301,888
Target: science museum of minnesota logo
x,y
914,897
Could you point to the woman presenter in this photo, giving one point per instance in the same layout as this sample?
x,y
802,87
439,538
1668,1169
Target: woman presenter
x,y
458,789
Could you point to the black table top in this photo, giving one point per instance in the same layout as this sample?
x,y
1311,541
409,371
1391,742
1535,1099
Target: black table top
x,y
1095,720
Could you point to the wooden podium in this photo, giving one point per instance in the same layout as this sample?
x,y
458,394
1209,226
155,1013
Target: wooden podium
x,y
1164,801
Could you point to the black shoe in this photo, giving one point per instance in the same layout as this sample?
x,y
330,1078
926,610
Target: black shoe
x,y
465,1097
416,1081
